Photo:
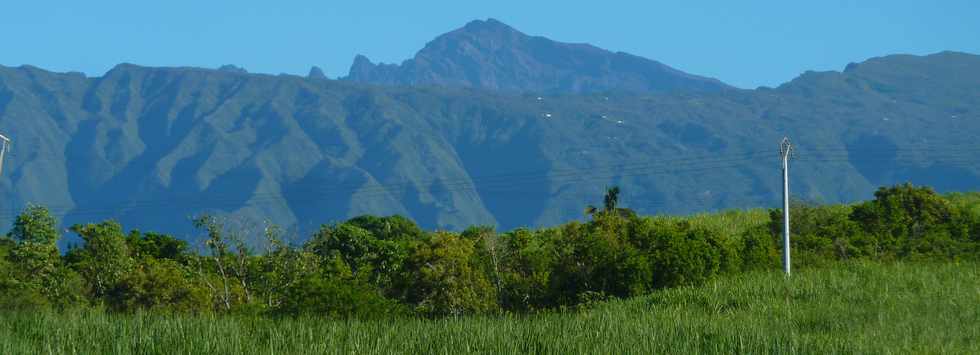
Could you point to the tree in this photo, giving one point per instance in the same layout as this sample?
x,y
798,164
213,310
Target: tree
x,y
394,228
442,277
36,264
610,206
231,257
526,259
368,257
104,258
157,246
282,267
598,260
159,286
36,236
905,220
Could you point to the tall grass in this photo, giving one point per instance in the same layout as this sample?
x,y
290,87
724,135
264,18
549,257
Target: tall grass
x,y
853,308
731,222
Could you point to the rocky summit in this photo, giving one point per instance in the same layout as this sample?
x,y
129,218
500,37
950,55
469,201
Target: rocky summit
x,y
490,55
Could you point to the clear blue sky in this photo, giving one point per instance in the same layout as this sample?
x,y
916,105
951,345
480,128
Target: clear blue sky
x,y
745,43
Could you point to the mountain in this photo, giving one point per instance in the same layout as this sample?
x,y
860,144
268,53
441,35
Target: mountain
x,y
490,55
151,147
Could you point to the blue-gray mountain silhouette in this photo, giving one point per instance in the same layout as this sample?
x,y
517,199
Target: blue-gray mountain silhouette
x,y
493,56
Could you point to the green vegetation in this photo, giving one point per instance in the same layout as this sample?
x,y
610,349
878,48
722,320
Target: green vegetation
x,y
856,308
385,267
375,272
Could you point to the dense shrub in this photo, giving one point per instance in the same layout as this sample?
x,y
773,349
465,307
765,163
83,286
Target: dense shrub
x,y
526,259
104,258
442,277
683,255
333,297
759,250
597,260
360,251
156,245
821,234
160,286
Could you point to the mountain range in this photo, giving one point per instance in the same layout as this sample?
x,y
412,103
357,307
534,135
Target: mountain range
x,y
484,126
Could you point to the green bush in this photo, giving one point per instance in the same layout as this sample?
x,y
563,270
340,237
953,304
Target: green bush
x,y
336,298
759,250
158,286
365,255
598,258
104,258
442,276
156,245
685,255
527,258
907,221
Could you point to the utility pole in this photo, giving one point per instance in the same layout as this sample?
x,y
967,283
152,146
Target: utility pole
x,y
785,150
3,150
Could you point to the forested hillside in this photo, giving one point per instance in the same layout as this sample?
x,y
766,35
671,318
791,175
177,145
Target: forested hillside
x,y
151,147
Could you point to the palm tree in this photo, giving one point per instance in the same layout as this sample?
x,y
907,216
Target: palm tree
x,y
610,205
611,199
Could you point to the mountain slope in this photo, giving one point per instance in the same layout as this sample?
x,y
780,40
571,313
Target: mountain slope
x,y
153,146
493,56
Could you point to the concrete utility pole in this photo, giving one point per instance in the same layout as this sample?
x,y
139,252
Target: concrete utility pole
x,y
3,150
785,149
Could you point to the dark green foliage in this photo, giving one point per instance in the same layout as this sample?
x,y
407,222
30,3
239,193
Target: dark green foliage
x,y
337,298
683,255
759,250
158,285
598,260
36,236
903,222
821,234
34,265
388,228
526,259
442,276
104,258
156,245
362,253
906,220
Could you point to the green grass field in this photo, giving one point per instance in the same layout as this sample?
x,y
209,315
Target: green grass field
x,y
851,308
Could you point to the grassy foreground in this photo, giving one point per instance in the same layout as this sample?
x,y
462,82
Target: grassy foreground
x,y
852,308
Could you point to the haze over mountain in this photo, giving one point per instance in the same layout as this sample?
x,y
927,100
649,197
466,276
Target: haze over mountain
x,y
491,55
153,146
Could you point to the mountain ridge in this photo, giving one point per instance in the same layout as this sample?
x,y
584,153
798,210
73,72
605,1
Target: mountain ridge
x,y
491,55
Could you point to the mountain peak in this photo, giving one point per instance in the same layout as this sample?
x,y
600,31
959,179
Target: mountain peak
x,y
316,73
488,25
488,54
